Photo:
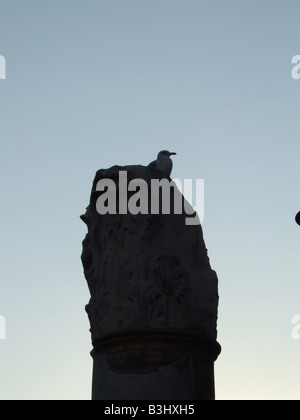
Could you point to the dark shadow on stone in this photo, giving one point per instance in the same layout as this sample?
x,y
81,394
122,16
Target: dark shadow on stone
x,y
154,300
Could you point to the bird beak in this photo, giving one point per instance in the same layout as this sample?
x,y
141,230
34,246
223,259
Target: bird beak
x,y
172,153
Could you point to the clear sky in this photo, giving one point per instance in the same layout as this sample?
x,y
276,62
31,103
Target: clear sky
x,y
93,83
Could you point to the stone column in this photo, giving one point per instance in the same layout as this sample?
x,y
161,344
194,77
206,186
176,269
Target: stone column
x,y
154,296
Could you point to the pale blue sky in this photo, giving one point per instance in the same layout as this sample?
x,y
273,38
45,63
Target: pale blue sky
x,y
92,83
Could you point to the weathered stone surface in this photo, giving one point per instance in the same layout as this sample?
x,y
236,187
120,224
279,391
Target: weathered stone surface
x,y
149,275
149,271
154,365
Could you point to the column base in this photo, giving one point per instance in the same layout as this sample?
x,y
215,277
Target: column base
x,y
152,364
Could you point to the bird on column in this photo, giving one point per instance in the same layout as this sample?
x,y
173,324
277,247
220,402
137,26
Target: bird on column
x,y
163,162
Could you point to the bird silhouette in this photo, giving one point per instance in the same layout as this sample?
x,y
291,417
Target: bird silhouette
x,y
163,162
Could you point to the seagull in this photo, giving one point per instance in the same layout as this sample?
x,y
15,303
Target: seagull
x,y
163,162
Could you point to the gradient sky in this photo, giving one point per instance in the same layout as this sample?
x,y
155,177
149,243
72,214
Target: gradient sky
x,y
93,83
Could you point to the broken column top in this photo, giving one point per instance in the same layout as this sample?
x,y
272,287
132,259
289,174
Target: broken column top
x,y
145,271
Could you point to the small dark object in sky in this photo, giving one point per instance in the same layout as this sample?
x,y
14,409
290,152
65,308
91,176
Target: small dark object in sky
x,y
297,218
